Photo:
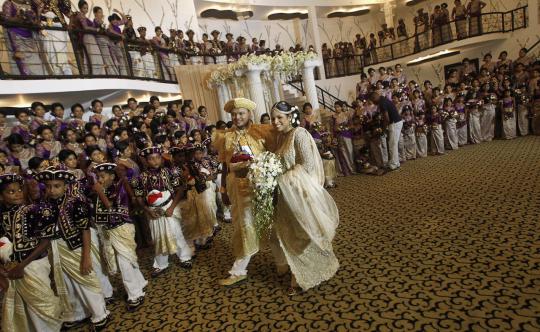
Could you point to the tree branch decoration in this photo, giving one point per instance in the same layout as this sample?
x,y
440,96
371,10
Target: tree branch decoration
x,y
329,38
226,27
349,34
247,31
276,39
356,22
187,24
123,9
521,43
438,70
293,41
338,89
108,5
204,28
268,29
174,4
416,72
340,28
142,5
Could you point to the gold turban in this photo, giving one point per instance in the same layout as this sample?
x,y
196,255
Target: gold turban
x,y
239,103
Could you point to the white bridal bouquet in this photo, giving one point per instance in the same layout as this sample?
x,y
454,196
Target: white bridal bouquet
x,y
263,173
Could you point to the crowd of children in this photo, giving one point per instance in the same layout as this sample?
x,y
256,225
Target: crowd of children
x,y
500,100
89,188
89,191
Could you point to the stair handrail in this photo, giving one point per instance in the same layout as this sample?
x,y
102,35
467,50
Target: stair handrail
x,y
325,98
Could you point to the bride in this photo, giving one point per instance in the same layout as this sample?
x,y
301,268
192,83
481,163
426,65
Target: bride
x,y
306,216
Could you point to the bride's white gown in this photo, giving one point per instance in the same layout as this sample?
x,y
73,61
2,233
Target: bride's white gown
x,y
306,216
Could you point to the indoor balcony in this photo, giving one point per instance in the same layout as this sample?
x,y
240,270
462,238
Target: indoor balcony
x,y
460,34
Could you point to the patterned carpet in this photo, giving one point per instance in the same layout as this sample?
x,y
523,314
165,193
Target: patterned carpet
x,y
448,243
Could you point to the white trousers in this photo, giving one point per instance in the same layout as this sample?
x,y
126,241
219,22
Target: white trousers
x,y
132,278
106,286
183,250
84,302
394,132
239,267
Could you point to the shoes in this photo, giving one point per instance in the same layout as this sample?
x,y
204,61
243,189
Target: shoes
x,y
291,291
156,272
132,305
187,264
109,300
232,280
98,326
69,325
227,220
217,229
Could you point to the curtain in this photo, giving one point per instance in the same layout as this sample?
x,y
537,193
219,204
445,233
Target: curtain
x,y
192,80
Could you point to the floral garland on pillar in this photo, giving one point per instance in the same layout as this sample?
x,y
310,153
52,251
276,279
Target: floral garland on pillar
x,y
285,64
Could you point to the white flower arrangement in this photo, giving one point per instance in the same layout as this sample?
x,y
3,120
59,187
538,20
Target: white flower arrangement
x,y
263,174
285,63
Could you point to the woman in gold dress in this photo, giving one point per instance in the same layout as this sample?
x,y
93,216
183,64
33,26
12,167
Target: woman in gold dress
x,y
306,216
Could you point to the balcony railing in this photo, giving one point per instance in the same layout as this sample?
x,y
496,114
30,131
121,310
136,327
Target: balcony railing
x,y
431,37
37,52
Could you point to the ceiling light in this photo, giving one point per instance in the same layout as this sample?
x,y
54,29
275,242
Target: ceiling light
x,y
432,57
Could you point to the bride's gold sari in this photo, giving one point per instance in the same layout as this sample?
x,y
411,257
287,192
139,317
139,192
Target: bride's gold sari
x,y
306,216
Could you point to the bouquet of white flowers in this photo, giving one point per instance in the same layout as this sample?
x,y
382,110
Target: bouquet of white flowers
x,y
263,173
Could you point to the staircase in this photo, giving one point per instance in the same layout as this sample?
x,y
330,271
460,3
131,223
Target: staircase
x,y
326,99
293,96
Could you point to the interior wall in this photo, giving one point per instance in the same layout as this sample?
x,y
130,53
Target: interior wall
x,y
284,33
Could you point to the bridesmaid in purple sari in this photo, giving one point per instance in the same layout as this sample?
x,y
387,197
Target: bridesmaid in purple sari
x,y
342,130
22,42
23,128
93,60
19,153
48,148
38,112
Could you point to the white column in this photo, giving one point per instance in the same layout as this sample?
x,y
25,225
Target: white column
x,y
278,89
315,32
222,98
310,89
255,87
388,8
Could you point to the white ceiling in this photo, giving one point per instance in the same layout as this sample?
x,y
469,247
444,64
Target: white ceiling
x,y
261,12
261,9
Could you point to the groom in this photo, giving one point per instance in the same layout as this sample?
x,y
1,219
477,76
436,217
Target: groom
x,y
236,147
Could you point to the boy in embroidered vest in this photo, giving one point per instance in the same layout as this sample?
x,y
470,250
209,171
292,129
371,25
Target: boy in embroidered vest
x,y
112,211
29,303
201,207
158,190
77,284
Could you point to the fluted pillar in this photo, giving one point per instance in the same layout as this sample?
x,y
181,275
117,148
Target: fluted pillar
x,y
310,89
278,90
255,87
222,99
